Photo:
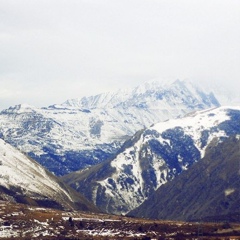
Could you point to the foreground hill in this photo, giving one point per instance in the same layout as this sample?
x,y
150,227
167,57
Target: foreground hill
x,y
23,180
209,190
153,157
83,132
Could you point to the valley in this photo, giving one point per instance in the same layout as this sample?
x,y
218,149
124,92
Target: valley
x,y
19,221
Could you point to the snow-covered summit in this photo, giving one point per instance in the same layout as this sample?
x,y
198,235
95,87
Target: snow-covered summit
x,y
150,94
20,108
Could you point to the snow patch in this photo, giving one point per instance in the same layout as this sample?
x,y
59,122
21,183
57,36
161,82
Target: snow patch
x,y
229,191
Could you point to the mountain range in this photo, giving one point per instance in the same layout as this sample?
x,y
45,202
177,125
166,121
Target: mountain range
x,y
153,157
127,152
83,132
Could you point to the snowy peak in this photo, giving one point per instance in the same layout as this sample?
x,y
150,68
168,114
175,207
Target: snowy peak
x,y
20,108
196,122
104,100
205,118
149,95
148,86
177,92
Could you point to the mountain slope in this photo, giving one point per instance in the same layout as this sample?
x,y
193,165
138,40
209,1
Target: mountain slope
x,y
84,132
153,157
210,188
25,181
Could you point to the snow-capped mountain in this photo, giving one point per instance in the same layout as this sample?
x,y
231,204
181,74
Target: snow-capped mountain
x,y
151,95
83,132
25,181
153,157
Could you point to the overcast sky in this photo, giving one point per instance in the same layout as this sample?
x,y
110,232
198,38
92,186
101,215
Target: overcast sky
x,y
53,50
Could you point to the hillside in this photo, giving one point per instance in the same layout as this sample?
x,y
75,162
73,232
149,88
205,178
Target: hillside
x,y
208,191
23,180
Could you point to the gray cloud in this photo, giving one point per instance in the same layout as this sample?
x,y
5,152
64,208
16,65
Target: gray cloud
x,y
55,50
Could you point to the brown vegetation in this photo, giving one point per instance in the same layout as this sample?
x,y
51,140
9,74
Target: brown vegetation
x,y
19,221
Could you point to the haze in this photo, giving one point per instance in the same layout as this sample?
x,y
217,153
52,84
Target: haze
x,y
51,51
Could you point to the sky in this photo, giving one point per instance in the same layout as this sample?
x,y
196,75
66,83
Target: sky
x,y
54,50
